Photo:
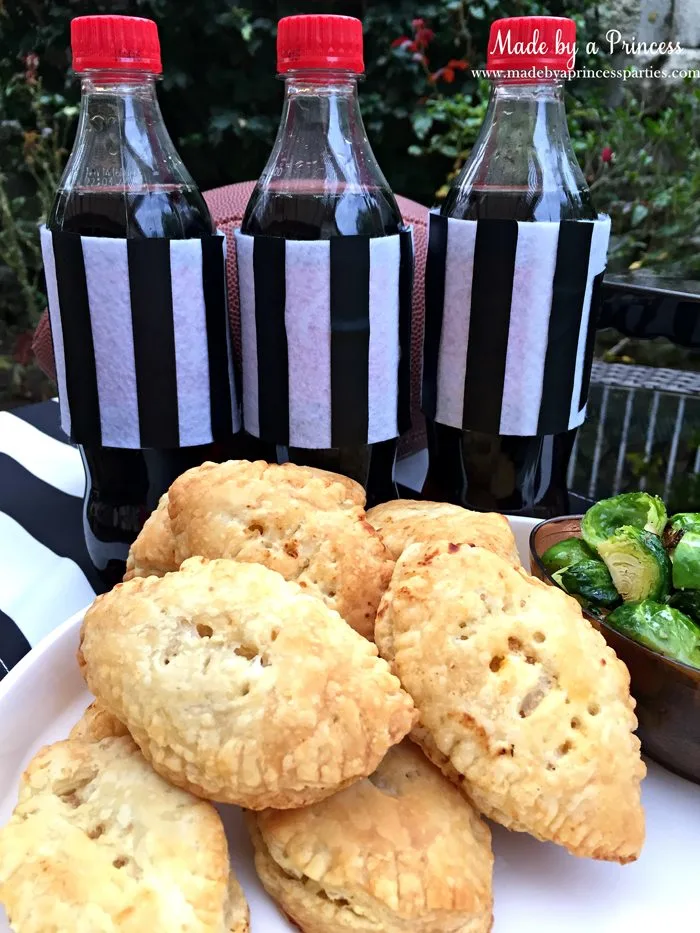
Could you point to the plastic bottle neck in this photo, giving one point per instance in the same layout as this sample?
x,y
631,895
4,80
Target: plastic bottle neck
x,y
523,159
121,140
322,156
532,112
322,135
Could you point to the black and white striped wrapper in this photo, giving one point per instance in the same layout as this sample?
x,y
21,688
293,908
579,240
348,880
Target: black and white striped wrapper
x,y
509,331
326,338
141,340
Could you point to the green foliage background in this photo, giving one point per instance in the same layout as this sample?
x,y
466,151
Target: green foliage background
x,y
221,103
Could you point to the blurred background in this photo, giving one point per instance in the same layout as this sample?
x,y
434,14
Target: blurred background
x,y
637,141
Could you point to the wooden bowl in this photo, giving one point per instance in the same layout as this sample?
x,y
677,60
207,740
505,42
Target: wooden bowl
x,y
667,692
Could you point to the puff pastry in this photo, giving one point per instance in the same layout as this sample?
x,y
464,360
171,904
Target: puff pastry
x,y
153,551
307,524
409,521
520,699
96,724
400,852
98,843
241,687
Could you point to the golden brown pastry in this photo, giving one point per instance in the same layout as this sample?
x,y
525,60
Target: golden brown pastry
x,y
241,687
400,851
520,699
410,521
153,552
96,724
307,524
98,843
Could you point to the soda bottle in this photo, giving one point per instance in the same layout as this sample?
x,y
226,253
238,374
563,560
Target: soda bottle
x,y
521,168
124,179
321,182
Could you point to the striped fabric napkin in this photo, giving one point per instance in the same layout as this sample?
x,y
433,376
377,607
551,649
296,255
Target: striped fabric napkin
x,y
45,574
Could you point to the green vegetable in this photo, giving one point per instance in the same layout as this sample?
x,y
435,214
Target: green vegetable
x,y
638,509
590,580
684,521
677,526
660,628
638,564
687,602
686,562
565,553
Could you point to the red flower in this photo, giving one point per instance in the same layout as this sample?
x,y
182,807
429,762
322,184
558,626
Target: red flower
x,y
446,74
418,24
401,42
31,67
458,64
424,37
606,154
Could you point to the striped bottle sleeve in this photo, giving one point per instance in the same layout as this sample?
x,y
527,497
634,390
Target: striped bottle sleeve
x,y
140,336
326,333
508,335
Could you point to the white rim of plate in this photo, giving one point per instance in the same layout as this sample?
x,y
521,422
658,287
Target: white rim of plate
x,y
8,682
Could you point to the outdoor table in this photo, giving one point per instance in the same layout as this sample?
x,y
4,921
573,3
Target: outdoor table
x,y
648,306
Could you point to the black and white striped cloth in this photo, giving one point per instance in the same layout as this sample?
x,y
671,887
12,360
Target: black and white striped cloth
x,y
45,572
326,338
508,330
156,370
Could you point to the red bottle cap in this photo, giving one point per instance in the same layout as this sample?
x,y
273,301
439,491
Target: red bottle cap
x,y
115,43
319,42
520,43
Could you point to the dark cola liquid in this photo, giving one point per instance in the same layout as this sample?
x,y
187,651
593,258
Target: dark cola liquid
x,y
305,215
491,472
163,211
123,486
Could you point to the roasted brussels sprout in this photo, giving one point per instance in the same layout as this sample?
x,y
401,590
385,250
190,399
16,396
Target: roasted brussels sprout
x,y
590,582
638,564
687,602
686,562
565,553
677,526
659,627
684,521
637,509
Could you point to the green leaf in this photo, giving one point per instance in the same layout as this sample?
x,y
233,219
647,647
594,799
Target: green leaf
x,y
422,122
450,151
478,12
639,213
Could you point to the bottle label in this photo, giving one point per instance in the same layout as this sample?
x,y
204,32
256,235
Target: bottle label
x,y
326,338
510,322
141,339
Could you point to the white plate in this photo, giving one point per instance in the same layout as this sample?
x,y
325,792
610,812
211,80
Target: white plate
x,y
539,888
